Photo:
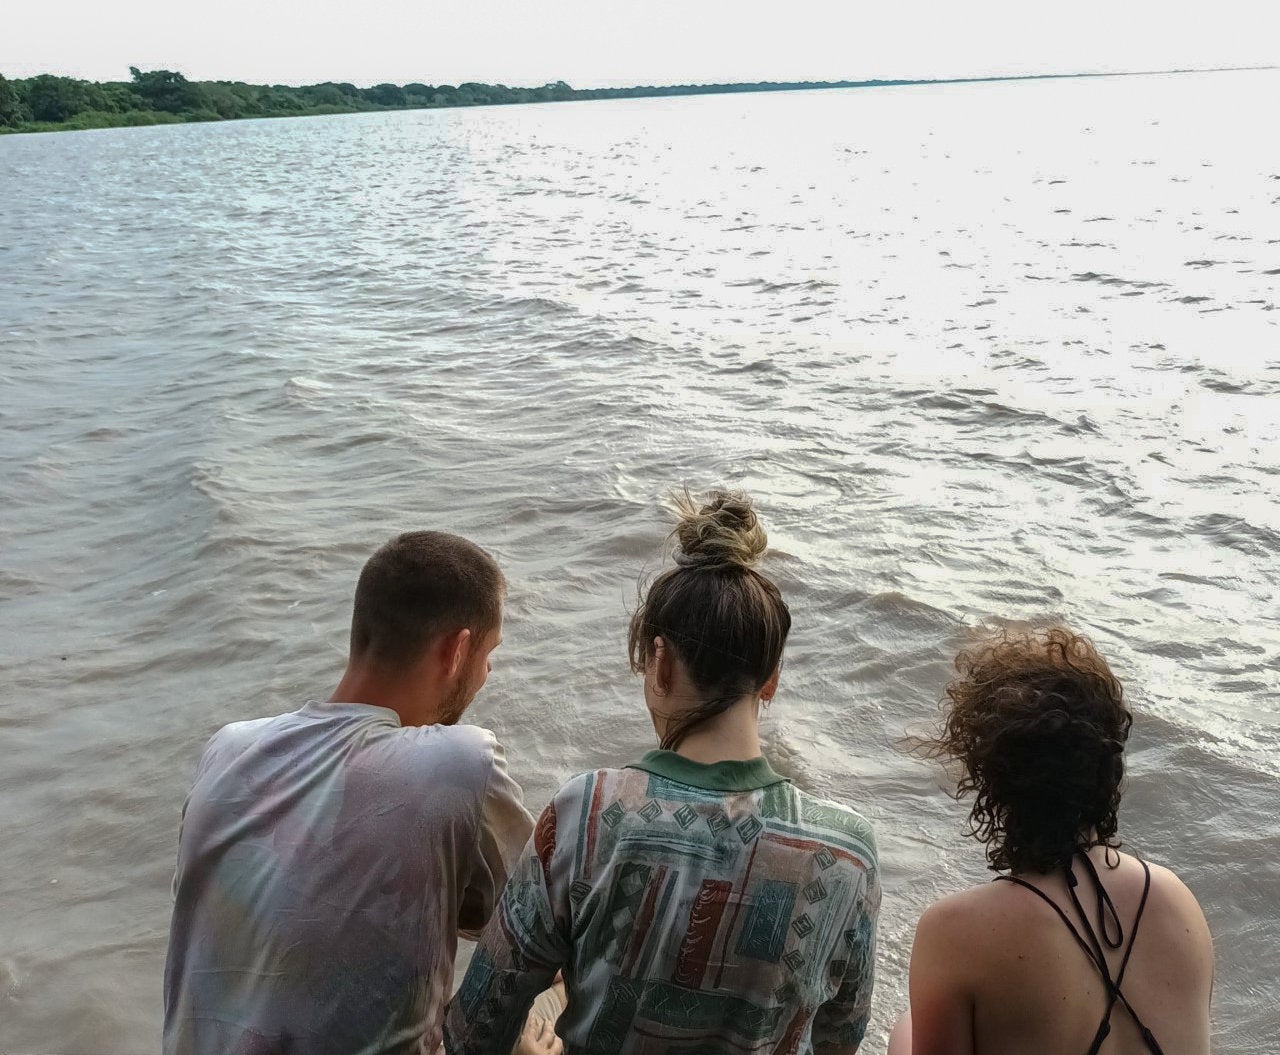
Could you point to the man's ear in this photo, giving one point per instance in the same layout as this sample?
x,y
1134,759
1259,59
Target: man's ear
x,y
454,649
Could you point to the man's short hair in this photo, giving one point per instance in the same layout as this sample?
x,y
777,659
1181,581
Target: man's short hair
x,y
418,586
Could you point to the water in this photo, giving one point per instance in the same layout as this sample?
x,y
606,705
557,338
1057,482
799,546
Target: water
x,y
1002,351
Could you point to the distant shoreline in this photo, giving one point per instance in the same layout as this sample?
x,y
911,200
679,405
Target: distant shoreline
x,y
47,103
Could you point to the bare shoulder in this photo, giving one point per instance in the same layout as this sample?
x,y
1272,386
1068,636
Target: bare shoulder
x,y
957,917
1178,909
985,920
985,901
955,940
1169,889
1169,899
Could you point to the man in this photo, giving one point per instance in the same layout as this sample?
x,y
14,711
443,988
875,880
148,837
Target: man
x,y
329,858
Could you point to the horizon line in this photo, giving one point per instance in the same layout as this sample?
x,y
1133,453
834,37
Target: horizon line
x,y
967,78
842,82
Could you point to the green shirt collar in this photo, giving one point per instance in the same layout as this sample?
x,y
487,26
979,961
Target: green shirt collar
x,y
719,776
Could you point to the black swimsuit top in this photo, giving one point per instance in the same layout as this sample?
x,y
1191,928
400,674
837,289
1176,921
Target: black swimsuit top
x,y
1108,922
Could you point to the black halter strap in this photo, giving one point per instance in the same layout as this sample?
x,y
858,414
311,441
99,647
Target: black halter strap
x,y
1109,932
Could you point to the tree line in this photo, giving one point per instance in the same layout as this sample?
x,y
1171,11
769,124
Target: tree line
x,y
47,102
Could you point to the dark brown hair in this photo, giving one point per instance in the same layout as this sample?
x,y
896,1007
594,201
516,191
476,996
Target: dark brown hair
x,y
418,586
725,621
1038,722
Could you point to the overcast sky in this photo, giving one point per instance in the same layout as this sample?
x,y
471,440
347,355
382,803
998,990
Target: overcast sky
x,y
623,42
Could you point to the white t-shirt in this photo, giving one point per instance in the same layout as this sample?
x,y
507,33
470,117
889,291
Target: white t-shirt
x,y
327,862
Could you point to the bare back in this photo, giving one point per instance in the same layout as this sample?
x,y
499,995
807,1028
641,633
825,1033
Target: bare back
x,y
996,971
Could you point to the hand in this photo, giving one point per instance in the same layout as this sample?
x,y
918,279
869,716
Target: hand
x,y
539,1038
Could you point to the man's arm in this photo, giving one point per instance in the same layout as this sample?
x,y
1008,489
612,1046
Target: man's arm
x,y
525,944
503,829
205,757
840,1024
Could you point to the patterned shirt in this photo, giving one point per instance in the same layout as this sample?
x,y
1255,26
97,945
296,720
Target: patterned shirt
x,y
694,909
327,861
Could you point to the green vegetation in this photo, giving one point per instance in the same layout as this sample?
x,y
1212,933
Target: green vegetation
x,y
47,103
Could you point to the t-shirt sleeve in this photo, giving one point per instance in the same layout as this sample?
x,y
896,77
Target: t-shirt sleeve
x,y
526,942
502,830
206,758
840,1024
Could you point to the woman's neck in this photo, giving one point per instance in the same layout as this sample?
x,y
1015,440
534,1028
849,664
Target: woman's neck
x,y
731,736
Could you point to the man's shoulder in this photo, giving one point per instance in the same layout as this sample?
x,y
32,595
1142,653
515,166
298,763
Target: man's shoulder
x,y
463,754
234,737
470,740
447,748
246,731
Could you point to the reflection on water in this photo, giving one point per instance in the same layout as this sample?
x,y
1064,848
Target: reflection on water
x,y
988,351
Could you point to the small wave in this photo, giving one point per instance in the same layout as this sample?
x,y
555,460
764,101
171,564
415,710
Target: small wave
x,y
525,306
107,432
1082,424
812,285
306,387
1241,388
970,408
1022,594
891,620
1115,280
16,584
1180,650
1238,534
1198,580
752,366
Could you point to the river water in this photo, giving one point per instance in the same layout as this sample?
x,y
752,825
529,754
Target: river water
x,y
982,352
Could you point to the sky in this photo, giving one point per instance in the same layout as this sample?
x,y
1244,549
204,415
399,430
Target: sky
x,y
592,43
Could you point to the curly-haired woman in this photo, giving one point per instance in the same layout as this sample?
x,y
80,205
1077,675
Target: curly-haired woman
x,y
1082,948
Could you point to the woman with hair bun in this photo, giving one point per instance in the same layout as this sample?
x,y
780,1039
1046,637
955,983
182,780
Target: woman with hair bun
x,y
1082,949
696,901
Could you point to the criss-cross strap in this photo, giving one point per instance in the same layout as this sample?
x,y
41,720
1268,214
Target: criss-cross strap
x,y
1111,933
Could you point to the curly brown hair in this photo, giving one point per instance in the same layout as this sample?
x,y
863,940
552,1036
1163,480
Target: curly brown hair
x,y
1038,722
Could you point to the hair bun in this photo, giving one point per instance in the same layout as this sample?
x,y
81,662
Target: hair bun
x,y
718,533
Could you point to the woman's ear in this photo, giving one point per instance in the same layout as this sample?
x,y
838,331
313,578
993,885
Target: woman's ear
x,y
660,665
769,689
